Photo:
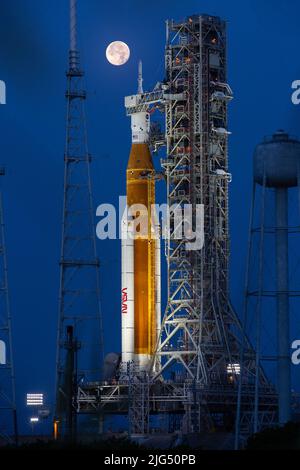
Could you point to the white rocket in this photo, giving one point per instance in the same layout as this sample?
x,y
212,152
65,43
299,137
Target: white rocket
x,y
141,273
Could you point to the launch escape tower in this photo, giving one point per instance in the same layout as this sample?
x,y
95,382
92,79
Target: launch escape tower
x,y
8,416
79,297
201,338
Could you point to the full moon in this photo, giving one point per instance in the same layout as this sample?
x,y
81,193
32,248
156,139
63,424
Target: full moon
x,y
117,53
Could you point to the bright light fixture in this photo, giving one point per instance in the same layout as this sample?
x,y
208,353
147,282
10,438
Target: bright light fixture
x,y
234,369
34,419
35,399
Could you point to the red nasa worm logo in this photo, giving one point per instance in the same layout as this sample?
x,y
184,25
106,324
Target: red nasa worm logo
x,y
124,300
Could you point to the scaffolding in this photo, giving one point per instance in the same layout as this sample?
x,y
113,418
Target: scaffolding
x,y
139,402
201,333
198,312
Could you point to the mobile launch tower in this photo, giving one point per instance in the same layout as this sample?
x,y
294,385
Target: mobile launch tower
x,y
201,332
201,339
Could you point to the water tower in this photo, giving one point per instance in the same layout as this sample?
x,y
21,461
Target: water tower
x,y
276,173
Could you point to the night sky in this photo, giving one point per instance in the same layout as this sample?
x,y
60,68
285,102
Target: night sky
x,y
263,42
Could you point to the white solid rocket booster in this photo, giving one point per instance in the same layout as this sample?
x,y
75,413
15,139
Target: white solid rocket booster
x,y
127,309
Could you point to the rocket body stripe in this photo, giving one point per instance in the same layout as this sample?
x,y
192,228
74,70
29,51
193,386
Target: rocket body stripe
x,y
127,293
157,278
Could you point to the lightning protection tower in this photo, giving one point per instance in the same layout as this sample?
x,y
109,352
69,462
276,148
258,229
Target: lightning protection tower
x,y
79,296
8,416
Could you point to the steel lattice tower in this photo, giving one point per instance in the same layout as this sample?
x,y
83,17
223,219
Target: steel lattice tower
x,y
79,296
201,335
8,416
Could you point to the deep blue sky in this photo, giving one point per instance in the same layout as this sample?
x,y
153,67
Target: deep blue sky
x,y
263,43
